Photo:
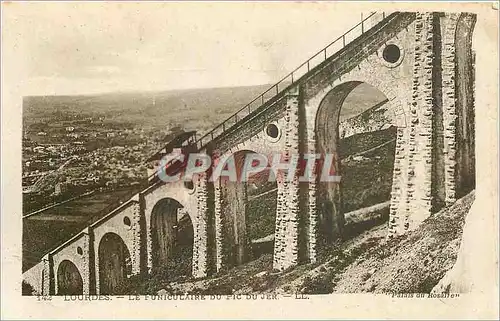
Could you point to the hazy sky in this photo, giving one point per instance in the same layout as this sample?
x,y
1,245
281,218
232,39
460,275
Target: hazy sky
x,y
69,48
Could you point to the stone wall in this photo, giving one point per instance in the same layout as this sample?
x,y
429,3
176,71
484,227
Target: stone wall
x,y
220,244
115,223
34,277
376,118
48,275
449,109
77,251
201,226
412,194
419,170
286,246
398,203
426,175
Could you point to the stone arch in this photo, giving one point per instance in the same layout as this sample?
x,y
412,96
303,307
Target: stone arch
x,y
69,279
394,80
396,103
180,193
329,195
172,235
77,252
114,263
256,144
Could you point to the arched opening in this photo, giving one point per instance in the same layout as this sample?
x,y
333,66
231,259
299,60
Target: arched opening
x,y
114,264
354,126
249,213
69,279
172,236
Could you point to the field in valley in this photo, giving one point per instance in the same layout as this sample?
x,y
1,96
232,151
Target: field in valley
x,y
45,231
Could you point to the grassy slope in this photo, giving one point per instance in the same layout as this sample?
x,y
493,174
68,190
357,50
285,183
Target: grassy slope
x,y
414,262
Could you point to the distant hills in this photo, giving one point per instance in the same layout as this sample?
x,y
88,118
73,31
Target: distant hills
x,y
192,109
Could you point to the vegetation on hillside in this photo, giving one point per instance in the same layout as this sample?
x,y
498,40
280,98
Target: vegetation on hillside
x,y
261,216
367,178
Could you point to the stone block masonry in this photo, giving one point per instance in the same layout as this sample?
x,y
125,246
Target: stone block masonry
x,y
87,266
421,112
48,286
200,243
136,243
412,178
399,183
286,249
220,249
312,215
449,112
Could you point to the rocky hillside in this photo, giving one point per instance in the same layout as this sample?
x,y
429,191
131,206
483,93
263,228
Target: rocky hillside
x,y
411,263
365,262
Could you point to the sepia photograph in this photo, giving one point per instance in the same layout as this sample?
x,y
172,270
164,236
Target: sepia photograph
x,y
237,151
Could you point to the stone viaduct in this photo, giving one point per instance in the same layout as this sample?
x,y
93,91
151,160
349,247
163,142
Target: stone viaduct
x,y
422,62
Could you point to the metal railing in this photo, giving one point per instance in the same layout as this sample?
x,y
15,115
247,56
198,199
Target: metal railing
x,y
292,78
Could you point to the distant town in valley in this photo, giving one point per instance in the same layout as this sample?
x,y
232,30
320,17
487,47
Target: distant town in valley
x,y
77,144
67,156
82,156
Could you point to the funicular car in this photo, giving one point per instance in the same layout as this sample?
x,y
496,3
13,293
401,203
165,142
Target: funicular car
x,y
184,143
